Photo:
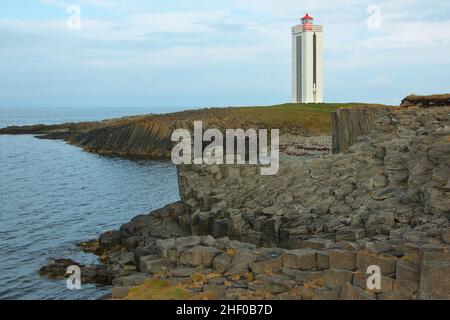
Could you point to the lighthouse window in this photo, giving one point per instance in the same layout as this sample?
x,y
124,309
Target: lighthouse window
x,y
314,59
299,66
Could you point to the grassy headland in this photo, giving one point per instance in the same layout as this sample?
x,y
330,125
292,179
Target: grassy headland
x,y
149,135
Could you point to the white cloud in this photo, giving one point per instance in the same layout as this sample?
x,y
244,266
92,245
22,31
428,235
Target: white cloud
x,y
180,22
408,34
234,34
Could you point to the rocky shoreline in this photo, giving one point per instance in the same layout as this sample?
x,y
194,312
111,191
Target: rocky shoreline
x,y
311,232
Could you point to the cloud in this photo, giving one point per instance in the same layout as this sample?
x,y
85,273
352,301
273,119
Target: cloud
x,y
230,39
407,34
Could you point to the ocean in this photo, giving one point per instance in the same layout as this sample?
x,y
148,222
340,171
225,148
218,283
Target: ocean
x,y
53,195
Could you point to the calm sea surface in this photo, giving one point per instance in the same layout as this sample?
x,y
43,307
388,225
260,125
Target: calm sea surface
x,y
53,195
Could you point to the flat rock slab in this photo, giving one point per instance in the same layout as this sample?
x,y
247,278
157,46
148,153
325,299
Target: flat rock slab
x,y
341,259
386,263
154,264
303,259
199,256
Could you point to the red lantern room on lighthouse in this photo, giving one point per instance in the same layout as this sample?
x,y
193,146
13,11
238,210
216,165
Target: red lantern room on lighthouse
x,y
307,19
307,22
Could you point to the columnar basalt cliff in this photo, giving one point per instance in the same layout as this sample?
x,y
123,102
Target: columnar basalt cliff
x,y
389,183
350,124
311,231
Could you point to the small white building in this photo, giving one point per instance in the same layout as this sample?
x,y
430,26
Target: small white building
x,y
307,62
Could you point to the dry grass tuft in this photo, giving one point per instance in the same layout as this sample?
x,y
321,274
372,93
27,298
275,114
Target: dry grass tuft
x,y
198,280
248,276
231,252
160,289
258,295
155,289
318,283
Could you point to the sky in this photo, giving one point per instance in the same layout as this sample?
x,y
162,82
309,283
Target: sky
x,y
208,53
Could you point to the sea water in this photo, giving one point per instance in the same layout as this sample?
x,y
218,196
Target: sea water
x,y
53,195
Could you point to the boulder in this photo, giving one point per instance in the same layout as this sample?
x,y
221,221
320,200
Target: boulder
x,y
438,150
341,259
378,247
208,241
186,242
316,243
386,263
131,242
378,182
360,280
343,191
439,254
350,292
56,269
350,234
237,225
307,292
199,256
379,223
325,294
241,262
304,276
182,272
222,263
267,266
335,278
394,295
110,239
270,232
140,252
446,236
406,288
220,228
130,281
437,202
237,293
201,222
406,270
303,259
275,283
120,292
323,260
218,290
97,274
163,246
269,260
435,280
155,264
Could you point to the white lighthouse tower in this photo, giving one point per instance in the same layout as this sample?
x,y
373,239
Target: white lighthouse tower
x,y
307,62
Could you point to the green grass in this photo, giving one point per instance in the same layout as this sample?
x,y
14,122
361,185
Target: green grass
x,y
312,118
414,97
290,118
